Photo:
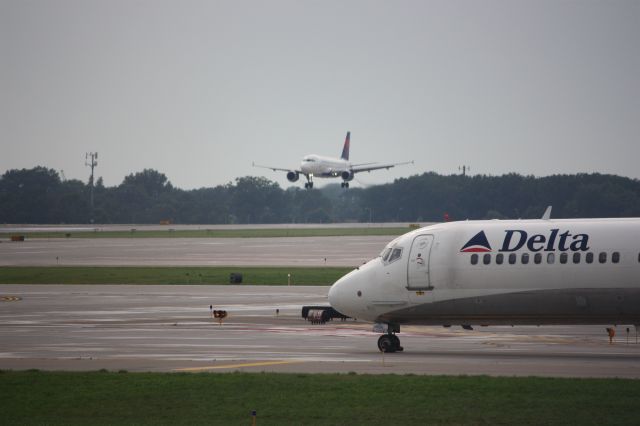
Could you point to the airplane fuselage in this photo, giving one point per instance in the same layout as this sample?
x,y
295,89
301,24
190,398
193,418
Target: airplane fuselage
x,y
501,273
325,167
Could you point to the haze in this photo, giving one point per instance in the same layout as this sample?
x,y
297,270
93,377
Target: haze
x,y
200,89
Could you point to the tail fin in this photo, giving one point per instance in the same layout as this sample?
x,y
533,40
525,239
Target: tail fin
x,y
345,148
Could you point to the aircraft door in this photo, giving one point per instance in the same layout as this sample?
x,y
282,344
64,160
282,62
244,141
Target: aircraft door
x,y
418,268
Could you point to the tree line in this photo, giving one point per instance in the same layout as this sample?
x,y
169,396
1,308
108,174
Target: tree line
x,y
39,195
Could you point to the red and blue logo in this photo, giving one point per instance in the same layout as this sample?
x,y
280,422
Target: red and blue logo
x,y
477,244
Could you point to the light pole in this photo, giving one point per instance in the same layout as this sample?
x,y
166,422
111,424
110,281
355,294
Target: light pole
x,y
90,159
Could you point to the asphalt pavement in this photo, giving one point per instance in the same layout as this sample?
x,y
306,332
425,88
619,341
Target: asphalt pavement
x,y
170,328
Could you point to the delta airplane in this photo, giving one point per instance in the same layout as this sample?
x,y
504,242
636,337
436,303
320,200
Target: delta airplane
x,y
328,167
499,272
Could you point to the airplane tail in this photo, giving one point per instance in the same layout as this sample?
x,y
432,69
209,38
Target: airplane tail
x,y
345,148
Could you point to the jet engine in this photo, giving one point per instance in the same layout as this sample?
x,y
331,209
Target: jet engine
x,y
347,176
293,176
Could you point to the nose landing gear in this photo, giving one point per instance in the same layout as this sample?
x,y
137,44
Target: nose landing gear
x,y
389,343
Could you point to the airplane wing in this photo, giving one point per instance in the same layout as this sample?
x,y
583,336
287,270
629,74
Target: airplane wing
x,y
363,164
276,169
367,167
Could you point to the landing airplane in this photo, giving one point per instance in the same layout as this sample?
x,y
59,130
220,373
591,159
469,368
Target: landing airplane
x,y
328,167
499,272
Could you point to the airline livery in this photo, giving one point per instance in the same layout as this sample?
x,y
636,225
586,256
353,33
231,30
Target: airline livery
x,y
499,272
327,167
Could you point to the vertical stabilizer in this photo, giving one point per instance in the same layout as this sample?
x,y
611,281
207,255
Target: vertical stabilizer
x,y
345,148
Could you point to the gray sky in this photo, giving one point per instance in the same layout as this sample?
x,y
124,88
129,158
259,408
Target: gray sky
x,y
200,89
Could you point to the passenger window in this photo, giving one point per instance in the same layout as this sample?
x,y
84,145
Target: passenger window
x,y
474,259
615,257
486,259
576,257
602,257
499,258
551,258
537,258
395,254
563,258
525,258
512,258
589,257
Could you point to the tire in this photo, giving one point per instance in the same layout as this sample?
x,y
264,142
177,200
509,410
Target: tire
x,y
396,343
386,343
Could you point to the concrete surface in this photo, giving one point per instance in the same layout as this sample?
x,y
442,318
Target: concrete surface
x,y
293,251
169,328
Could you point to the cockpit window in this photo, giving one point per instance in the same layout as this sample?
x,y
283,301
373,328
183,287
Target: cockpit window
x,y
396,253
385,254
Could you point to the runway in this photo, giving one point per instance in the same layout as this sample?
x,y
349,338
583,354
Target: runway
x,y
293,251
169,328
9,228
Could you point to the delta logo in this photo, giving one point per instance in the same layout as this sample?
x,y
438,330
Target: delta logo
x,y
515,239
477,244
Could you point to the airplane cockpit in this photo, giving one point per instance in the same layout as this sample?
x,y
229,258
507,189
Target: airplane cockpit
x,y
391,254
377,287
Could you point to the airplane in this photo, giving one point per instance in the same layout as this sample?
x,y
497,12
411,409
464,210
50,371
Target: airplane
x,y
328,167
498,272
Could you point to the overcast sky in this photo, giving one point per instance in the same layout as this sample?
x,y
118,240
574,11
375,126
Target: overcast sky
x,y
200,89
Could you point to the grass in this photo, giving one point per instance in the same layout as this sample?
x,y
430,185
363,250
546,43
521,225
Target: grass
x,y
218,233
169,275
101,398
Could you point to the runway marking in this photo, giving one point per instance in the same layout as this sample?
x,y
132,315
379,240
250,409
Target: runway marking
x,y
250,364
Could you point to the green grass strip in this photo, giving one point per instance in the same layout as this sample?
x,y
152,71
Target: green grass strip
x,y
218,233
104,398
169,275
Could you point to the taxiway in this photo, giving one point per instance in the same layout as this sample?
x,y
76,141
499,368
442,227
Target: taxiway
x,y
170,328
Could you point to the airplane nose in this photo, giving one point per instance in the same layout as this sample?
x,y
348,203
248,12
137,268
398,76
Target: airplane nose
x,y
334,297
338,297
346,294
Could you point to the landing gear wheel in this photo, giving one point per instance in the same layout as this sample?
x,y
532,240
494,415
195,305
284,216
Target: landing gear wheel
x,y
389,343
396,343
385,343
344,184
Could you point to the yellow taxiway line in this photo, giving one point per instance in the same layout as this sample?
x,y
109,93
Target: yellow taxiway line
x,y
226,366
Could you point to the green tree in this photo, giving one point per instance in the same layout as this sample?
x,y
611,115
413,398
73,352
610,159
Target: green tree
x,y
27,196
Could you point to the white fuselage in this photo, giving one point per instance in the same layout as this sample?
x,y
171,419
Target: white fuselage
x,y
583,271
319,166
